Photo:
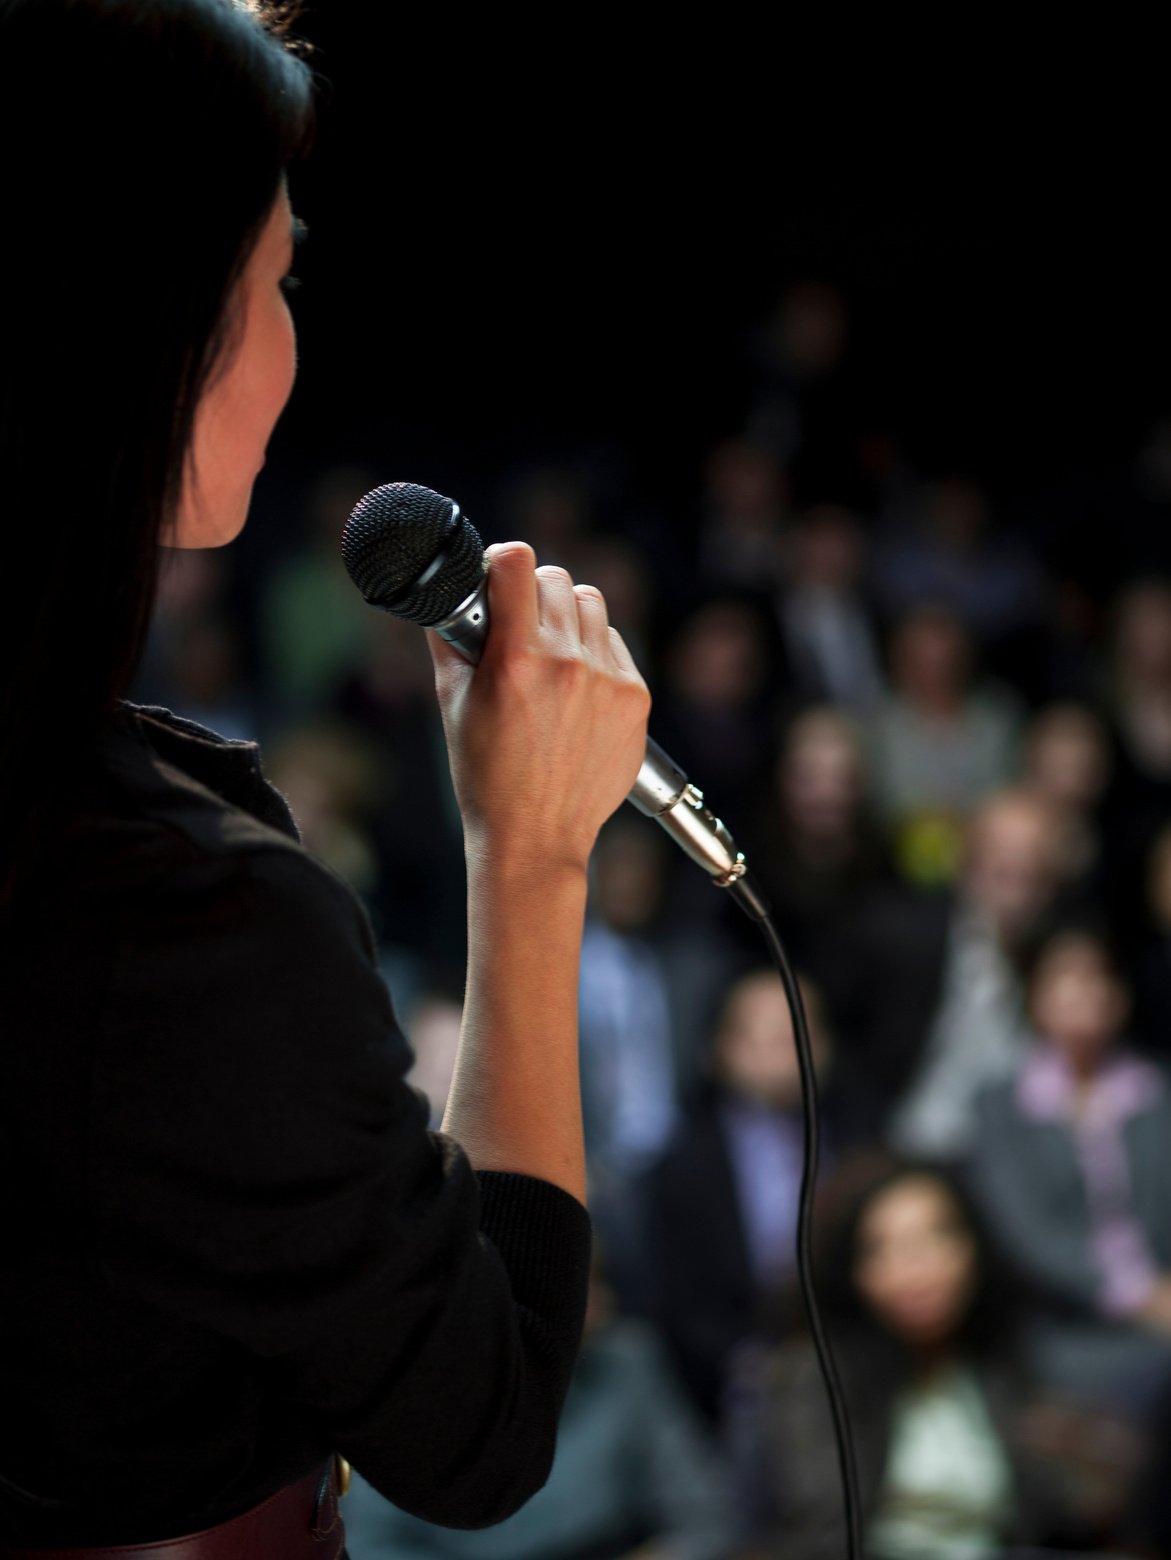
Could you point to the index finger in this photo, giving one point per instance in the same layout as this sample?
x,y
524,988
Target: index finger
x,y
512,594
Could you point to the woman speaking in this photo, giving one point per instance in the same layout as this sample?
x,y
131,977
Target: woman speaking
x,y
232,1249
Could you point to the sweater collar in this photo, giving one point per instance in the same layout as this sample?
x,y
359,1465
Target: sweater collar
x,y
225,765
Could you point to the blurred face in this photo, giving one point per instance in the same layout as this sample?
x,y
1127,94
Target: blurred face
x,y
627,881
1068,758
755,1052
828,550
820,778
1144,633
811,327
915,1266
930,658
1013,864
1159,880
958,513
744,480
719,659
1076,1002
244,397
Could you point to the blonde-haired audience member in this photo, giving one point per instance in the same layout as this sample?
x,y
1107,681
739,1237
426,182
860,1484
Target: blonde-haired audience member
x,y
1014,867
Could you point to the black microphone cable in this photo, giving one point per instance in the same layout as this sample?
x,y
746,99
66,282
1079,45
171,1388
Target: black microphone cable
x,y
413,553
744,891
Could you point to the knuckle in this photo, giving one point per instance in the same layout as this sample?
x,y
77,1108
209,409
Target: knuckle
x,y
570,669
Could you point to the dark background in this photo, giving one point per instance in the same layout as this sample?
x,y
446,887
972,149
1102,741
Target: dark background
x,y
527,242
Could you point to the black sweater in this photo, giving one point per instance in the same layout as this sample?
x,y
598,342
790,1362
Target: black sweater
x,y
230,1244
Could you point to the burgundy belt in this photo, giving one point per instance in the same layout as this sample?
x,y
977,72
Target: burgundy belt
x,y
300,1522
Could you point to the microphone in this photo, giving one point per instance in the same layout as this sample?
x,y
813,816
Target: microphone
x,y
415,554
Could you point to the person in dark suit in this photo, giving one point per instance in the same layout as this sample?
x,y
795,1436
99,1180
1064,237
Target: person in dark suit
x,y
232,1246
721,1206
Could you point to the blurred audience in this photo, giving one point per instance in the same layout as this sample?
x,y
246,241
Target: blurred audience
x,y
721,1206
648,988
388,696
191,663
958,1455
1139,683
330,780
934,1009
635,1476
816,848
744,508
832,647
953,556
713,713
315,625
804,404
1068,761
1152,1019
920,821
550,507
1072,1163
939,741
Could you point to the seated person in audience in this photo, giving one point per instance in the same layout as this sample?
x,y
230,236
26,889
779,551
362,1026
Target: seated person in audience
x,y
950,1439
825,619
721,1206
1152,1015
1138,689
934,1011
635,1476
1137,697
649,988
816,848
1072,1165
715,697
940,741
1068,762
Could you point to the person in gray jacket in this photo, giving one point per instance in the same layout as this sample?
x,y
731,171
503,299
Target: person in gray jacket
x,y
1072,1164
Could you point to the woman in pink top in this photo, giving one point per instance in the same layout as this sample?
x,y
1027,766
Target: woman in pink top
x,y
1072,1164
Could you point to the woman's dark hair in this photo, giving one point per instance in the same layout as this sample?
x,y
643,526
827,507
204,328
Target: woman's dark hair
x,y
988,1326
1086,927
144,146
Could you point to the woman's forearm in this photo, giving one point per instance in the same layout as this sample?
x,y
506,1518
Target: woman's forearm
x,y
545,737
515,1098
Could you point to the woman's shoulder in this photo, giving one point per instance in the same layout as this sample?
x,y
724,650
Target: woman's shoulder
x,y
207,789
177,840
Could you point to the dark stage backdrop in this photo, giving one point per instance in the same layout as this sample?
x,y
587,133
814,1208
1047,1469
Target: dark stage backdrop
x,y
529,238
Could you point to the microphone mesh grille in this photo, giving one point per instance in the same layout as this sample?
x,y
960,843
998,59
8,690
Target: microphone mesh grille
x,y
394,535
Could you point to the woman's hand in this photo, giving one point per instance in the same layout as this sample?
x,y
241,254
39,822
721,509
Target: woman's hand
x,y
547,734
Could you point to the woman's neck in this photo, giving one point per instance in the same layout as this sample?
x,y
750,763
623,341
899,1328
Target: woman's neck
x,y
933,1361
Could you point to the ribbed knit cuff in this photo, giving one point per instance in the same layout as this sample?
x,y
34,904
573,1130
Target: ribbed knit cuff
x,y
543,1235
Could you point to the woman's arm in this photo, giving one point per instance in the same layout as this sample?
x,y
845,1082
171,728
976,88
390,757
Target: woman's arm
x,y
546,737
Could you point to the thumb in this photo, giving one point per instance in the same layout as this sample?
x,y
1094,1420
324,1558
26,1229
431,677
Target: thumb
x,y
452,670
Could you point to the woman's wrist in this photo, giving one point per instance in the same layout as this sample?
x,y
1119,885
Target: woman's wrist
x,y
523,861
